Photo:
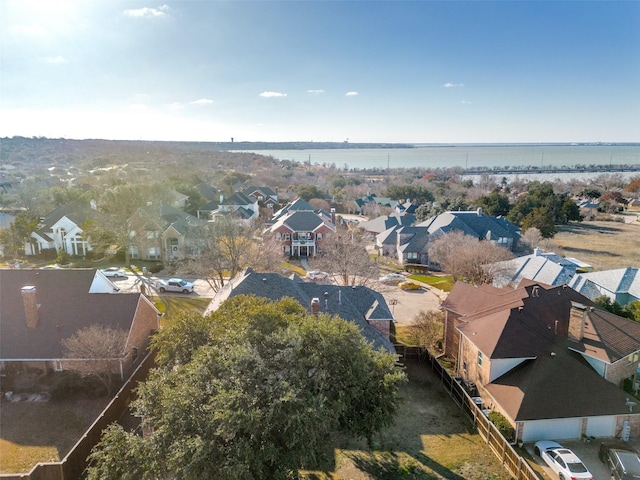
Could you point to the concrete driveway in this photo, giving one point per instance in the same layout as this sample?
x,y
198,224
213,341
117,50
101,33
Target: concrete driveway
x,y
406,304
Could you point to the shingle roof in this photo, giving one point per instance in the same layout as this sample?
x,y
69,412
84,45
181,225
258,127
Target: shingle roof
x,y
384,222
355,304
618,281
472,223
540,389
550,269
65,306
302,221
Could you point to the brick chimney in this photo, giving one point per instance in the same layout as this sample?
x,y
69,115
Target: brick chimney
x,y
30,305
577,318
315,305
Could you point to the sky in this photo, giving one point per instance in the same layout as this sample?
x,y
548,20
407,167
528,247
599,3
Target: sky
x,y
357,71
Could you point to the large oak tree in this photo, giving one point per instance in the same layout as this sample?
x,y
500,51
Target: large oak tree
x,y
256,393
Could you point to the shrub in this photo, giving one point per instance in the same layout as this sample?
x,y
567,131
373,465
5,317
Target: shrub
x,y
503,425
67,384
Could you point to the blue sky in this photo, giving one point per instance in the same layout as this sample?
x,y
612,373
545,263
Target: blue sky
x,y
366,71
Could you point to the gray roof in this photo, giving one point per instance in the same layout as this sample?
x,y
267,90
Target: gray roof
x,y
77,212
65,306
302,221
238,198
384,222
473,223
623,283
547,268
355,304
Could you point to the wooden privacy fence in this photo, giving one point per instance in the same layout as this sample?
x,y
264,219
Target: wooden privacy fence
x,y
511,461
72,466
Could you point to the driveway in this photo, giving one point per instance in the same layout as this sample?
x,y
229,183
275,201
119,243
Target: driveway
x,y
406,304
133,282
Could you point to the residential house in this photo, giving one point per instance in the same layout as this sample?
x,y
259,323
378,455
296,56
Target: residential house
x,y
621,285
476,224
238,206
265,196
360,305
545,267
407,244
300,228
546,358
163,232
61,230
40,308
371,201
406,208
385,222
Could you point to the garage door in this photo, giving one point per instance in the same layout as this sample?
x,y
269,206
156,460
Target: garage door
x,y
556,429
601,426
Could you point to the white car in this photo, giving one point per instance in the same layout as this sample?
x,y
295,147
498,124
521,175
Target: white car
x,y
392,278
174,285
316,275
113,272
562,461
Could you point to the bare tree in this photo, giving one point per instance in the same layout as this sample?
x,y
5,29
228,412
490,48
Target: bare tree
x,y
427,329
467,258
96,351
228,247
532,237
345,255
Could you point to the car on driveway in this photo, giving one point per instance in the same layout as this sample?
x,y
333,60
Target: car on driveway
x,y
621,458
392,278
316,275
113,272
562,461
408,286
174,285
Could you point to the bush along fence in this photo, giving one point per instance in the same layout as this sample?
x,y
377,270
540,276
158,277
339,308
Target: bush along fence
x,y
511,460
72,466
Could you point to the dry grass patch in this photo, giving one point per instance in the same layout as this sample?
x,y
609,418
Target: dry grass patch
x,y
32,432
430,439
604,245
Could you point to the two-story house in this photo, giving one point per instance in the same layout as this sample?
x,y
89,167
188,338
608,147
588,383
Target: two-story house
x,y
407,244
300,228
546,358
238,206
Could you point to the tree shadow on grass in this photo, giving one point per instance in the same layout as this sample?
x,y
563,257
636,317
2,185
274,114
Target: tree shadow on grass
x,y
586,228
590,251
392,466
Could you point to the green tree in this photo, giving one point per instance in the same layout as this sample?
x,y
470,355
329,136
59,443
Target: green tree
x,y
495,204
542,219
613,306
414,193
308,191
19,231
258,398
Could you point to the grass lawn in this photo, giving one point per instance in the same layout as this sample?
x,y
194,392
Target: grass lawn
x,y
604,245
430,439
32,432
444,283
174,306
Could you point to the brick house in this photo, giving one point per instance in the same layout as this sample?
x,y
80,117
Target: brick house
x,y
40,308
545,357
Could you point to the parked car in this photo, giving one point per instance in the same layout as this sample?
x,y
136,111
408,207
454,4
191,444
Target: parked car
x,y
113,272
392,278
316,275
562,461
174,285
408,286
621,458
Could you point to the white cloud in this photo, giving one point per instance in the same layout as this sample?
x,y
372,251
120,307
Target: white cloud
x,y
202,101
272,94
465,102
315,92
453,85
351,94
147,11
55,60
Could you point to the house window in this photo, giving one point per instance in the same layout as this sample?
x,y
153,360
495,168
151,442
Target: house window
x,y
480,358
287,249
151,235
287,236
412,255
154,253
319,236
633,358
278,236
57,365
133,252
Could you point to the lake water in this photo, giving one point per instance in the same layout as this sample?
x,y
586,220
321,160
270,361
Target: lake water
x,y
467,156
